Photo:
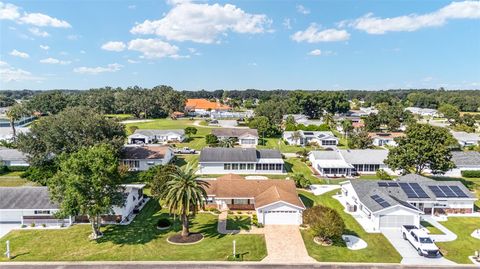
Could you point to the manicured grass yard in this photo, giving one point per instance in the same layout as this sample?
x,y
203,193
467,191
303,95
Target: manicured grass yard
x,y
140,240
278,143
197,141
378,250
295,165
431,229
238,222
465,245
13,179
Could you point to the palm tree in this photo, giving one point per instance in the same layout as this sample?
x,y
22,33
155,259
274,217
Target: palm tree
x,y
328,120
185,195
297,135
347,127
226,142
15,113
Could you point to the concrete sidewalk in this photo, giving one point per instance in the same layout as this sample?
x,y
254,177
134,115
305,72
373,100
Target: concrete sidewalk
x,y
446,237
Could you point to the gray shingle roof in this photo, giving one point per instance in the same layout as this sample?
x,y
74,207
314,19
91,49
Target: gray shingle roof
x,y
466,158
7,154
413,177
364,156
25,198
326,155
155,132
234,132
464,136
395,195
237,154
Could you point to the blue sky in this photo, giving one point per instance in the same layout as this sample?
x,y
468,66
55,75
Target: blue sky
x,y
326,45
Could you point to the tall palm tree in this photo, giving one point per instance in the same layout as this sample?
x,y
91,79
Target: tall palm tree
x,y
227,142
297,135
328,119
15,113
184,195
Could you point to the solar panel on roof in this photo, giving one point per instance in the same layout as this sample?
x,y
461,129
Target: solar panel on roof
x,y
448,192
380,201
382,184
392,184
458,191
408,190
419,191
437,191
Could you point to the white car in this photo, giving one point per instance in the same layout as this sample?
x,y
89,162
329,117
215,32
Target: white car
x,y
420,240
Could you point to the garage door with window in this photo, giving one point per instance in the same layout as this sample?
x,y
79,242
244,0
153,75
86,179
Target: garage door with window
x,y
396,221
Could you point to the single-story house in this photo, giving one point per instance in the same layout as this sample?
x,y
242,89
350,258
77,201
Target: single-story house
x,y
141,158
385,139
348,162
391,204
6,133
143,136
466,139
204,106
231,114
246,137
214,161
26,205
322,138
274,201
464,160
13,157
423,111
363,111
303,119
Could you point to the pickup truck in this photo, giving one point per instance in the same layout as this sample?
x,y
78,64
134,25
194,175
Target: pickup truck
x,y
420,240
185,150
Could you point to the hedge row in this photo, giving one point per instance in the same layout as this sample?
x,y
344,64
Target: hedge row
x,y
5,169
471,173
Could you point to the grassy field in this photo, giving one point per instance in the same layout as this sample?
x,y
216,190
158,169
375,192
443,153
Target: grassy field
x,y
378,250
238,222
140,240
279,144
431,229
197,141
465,245
295,165
13,179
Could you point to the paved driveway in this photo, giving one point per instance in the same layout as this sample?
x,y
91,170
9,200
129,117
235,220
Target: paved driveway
x,y
409,254
5,228
285,244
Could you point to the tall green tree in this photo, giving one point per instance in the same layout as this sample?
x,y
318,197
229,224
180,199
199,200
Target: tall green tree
x,y
184,195
88,183
423,147
14,114
360,139
451,112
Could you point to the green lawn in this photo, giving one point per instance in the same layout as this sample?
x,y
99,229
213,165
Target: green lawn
x,y
279,144
431,229
238,222
140,240
13,179
120,116
295,165
197,141
378,250
465,245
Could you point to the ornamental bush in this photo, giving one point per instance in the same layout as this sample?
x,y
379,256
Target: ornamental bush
x,y
163,223
471,173
324,222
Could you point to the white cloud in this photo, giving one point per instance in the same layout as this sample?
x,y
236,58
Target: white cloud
x,y
9,73
99,69
413,22
83,52
132,7
203,23
20,54
73,37
114,46
8,11
303,10
315,52
133,61
313,35
153,48
287,23
42,20
44,47
54,61
38,32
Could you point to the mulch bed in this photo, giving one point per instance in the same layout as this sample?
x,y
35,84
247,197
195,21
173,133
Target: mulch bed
x,y
190,239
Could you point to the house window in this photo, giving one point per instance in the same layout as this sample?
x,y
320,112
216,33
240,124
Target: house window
x,y
150,163
329,142
250,166
227,166
259,166
278,166
271,166
41,212
132,163
234,166
240,201
243,166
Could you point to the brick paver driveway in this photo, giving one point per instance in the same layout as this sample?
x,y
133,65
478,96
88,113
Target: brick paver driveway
x,y
285,244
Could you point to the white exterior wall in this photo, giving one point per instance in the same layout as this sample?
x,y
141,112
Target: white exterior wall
x,y
145,164
395,211
129,205
282,218
217,168
16,215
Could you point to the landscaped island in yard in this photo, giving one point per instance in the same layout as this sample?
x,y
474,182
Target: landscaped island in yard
x,y
140,240
378,249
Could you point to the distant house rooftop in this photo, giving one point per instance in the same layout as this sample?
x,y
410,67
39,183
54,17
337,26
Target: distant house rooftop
x,y
234,132
144,152
238,155
25,198
7,154
205,104
466,158
155,132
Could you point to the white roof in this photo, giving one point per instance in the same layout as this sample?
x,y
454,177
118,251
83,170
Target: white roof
x,y
464,136
352,156
334,164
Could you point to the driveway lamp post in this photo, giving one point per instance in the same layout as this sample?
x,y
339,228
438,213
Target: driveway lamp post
x,y
234,250
7,253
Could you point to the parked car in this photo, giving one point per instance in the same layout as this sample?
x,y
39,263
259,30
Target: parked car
x,y
185,150
420,240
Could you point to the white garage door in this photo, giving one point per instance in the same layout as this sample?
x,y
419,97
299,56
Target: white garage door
x,y
11,216
396,221
282,217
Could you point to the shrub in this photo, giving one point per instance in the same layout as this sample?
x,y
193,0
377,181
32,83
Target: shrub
x,y
164,223
255,220
44,225
131,129
23,226
324,222
471,173
301,181
383,175
32,224
16,168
